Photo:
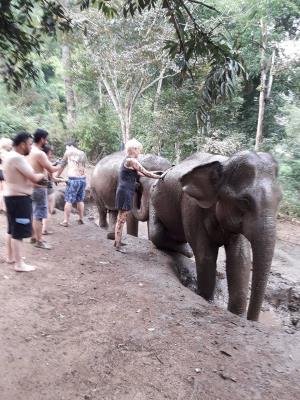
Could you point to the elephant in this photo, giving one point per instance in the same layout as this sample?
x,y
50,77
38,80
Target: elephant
x,y
209,201
104,181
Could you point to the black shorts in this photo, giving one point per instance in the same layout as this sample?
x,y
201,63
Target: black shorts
x,y
19,216
1,175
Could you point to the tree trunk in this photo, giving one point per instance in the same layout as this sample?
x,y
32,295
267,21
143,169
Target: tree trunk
x,y
70,98
271,74
158,90
262,95
177,152
199,137
126,131
100,94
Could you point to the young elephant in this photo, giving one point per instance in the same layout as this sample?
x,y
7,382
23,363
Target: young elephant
x,y
210,201
104,182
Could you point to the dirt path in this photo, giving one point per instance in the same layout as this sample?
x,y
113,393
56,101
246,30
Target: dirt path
x,y
94,324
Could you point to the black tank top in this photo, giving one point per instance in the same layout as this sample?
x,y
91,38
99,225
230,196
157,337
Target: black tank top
x,y
127,177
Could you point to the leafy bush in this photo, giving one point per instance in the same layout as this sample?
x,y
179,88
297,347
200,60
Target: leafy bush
x,y
98,134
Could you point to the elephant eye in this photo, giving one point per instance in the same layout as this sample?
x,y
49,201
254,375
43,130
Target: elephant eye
x,y
246,203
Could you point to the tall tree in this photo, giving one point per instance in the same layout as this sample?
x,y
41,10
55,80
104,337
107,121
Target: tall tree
x,y
68,82
128,57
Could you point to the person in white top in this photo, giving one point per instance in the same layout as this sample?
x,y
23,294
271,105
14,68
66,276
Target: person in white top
x,y
5,147
19,179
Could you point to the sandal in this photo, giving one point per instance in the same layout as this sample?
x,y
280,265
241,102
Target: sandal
x,y
118,247
43,245
121,244
80,222
65,224
47,233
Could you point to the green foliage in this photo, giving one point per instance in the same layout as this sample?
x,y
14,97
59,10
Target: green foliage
x,y
22,24
168,121
97,134
288,154
12,121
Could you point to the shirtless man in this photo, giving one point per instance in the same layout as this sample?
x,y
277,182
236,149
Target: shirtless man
x,y
40,164
5,147
19,180
75,191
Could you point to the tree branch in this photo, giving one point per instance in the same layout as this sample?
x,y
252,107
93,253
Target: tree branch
x,y
156,80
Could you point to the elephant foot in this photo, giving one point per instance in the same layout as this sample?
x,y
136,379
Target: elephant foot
x,y
206,296
111,235
186,250
103,225
184,270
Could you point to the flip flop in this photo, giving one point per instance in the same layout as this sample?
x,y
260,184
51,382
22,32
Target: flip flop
x,y
65,224
48,233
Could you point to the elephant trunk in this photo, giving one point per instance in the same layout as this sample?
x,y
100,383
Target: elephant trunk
x,y
263,243
140,209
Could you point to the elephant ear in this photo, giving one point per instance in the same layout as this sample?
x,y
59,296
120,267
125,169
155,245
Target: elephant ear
x,y
203,183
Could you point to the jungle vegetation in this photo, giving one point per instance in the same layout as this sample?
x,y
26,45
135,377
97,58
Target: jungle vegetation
x,y
180,75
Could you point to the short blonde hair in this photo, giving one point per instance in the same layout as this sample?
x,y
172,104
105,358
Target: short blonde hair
x,y
6,144
133,144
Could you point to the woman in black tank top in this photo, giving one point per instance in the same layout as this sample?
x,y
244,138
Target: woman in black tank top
x,y
129,172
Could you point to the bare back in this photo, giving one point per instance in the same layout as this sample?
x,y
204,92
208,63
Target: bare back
x,y
76,161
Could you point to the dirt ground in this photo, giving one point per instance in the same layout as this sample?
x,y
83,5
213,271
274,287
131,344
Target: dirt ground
x,y
92,323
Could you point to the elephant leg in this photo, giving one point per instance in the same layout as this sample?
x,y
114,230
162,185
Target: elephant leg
x,y
206,266
238,266
112,218
102,214
205,250
132,225
160,238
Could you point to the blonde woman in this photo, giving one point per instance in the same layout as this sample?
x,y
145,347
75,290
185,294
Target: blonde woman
x,y
129,171
5,147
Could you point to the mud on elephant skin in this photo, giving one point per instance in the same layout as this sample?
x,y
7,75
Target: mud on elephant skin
x,y
104,183
211,201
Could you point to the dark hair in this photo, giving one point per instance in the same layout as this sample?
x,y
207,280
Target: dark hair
x,y
21,137
47,148
71,142
39,134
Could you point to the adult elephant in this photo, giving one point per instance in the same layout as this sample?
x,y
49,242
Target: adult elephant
x,y
210,201
104,181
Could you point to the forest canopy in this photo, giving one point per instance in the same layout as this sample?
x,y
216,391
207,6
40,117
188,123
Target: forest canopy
x,y
181,76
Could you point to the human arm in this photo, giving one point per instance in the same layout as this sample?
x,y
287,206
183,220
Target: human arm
x,y
134,164
26,170
57,180
46,164
62,164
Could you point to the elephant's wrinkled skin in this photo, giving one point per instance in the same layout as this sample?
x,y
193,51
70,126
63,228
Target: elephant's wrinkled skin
x,y
210,201
104,183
